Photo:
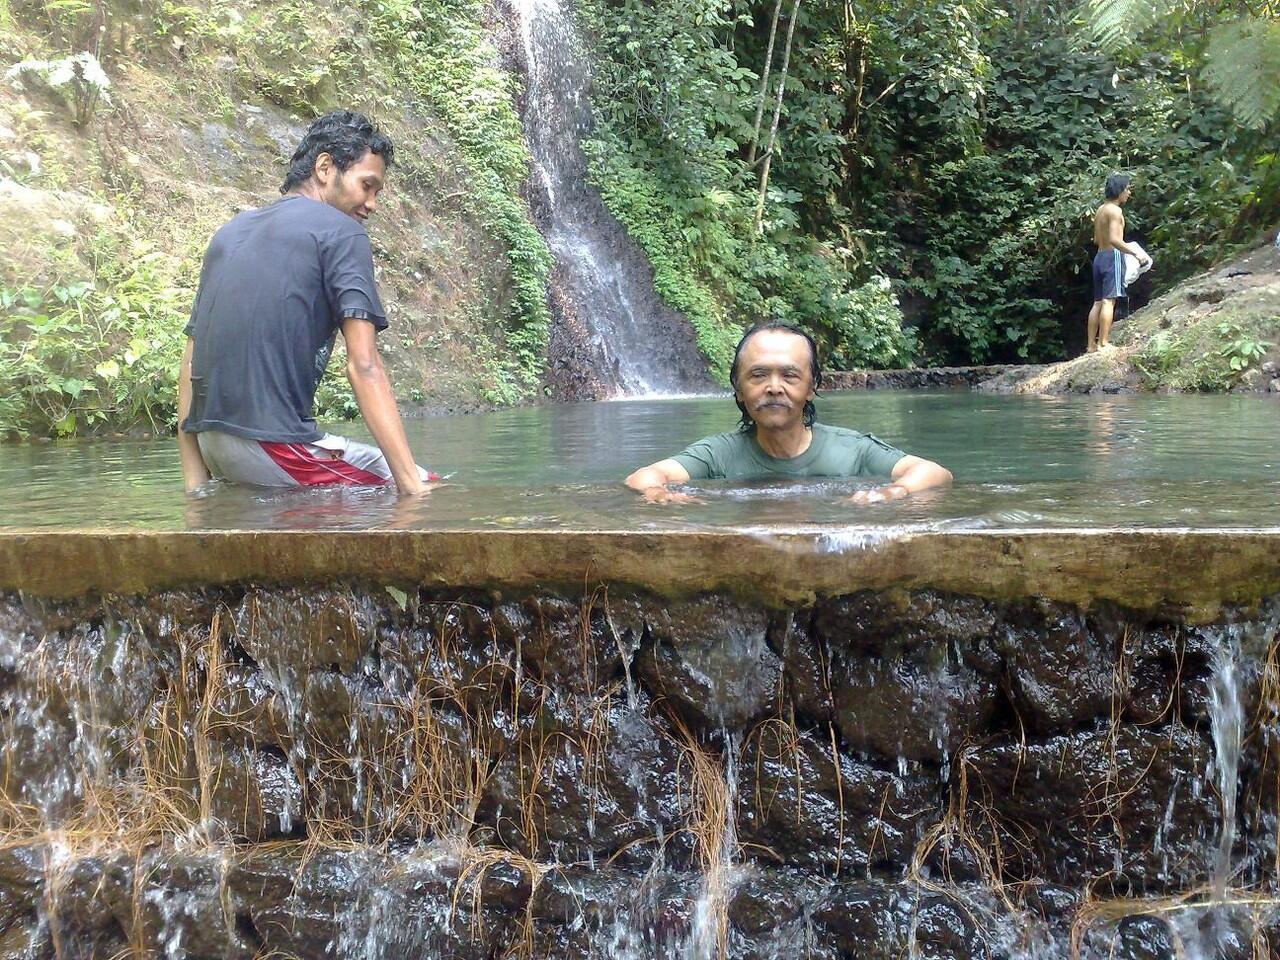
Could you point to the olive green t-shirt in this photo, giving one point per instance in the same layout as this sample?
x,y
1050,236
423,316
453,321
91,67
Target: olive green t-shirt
x,y
833,452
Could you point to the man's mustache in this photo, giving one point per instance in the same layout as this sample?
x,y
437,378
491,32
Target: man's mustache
x,y
772,403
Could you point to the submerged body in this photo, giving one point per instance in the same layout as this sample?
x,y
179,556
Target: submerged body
x,y
775,376
276,287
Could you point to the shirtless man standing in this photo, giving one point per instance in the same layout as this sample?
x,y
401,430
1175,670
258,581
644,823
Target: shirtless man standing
x,y
1108,262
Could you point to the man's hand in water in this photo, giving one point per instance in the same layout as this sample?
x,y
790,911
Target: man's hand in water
x,y
890,491
424,487
663,495
651,482
910,475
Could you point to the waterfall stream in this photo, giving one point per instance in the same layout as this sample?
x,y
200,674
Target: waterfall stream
x,y
637,345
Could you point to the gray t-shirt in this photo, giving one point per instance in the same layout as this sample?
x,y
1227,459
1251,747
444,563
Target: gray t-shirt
x,y
274,289
832,452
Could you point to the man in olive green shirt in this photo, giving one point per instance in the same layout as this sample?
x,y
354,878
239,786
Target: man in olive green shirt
x,y
775,376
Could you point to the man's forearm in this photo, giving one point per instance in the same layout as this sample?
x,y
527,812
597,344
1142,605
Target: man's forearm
x,y
646,478
1125,247
924,475
194,470
377,405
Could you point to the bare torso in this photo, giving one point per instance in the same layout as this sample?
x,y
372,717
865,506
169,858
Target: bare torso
x,y
1108,226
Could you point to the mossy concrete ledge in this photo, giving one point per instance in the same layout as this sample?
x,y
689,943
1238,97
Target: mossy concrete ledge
x,y
1197,571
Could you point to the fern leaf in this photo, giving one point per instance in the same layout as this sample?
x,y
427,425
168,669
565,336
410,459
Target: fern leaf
x,y
1115,22
1242,69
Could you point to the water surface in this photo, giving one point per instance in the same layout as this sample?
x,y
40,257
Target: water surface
x,y
1020,462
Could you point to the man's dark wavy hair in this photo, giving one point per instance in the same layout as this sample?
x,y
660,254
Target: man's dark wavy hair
x,y
1115,185
343,134
810,411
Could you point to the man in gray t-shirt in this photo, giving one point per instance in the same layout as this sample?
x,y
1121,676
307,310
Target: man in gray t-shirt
x,y
276,287
775,376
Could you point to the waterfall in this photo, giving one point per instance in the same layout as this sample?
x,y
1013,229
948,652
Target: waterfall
x,y
1226,719
635,345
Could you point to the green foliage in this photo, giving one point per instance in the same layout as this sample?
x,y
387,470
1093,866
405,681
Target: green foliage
x,y
1241,349
442,52
93,354
958,148
674,106
1241,59
1160,356
1242,68
78,80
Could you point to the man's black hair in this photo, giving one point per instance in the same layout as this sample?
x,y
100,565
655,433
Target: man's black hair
x,y
343,134
815,370
1116,184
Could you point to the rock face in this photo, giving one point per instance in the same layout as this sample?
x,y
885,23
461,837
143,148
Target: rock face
x,y
330,772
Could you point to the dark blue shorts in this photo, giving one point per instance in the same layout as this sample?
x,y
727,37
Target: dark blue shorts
x,y
1108,275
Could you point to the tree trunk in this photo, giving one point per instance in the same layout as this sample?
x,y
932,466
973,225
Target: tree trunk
x,y
777,112
764,84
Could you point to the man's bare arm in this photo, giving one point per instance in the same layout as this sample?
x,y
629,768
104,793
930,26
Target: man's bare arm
x,y
194,471
651,481
377,403
910,475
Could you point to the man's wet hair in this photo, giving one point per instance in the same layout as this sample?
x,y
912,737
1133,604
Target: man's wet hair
x,y
343,134
1116,184
815,370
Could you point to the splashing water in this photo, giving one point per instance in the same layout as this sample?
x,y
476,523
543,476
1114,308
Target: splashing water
x,y
1226,719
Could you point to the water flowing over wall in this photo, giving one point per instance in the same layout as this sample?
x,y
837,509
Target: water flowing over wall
x,y
280,766
613,334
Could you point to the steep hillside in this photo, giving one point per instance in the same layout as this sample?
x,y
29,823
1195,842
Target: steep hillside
x,y
111,184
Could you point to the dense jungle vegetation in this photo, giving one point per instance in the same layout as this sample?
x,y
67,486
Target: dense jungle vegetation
x,y
913,181
955,148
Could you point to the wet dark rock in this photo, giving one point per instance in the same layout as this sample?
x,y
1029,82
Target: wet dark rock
x,y
1144,938
1061,666
766,900
289,631
1128,804
344,903
709,660
22,873
582,896
623,913
451,651
23,941
245,710
89,897
254,793
908,677
877,922
805,663
1051,901
575,647
796,807
882,623
588,778
180,910
506,727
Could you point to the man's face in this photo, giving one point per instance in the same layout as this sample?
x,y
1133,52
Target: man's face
x,y
355,190
1124,195
774,379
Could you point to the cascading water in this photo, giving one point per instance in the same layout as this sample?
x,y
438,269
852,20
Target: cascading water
x,y
637,345
1226,719
338,772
